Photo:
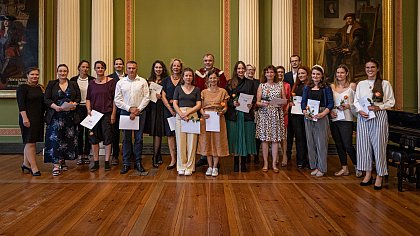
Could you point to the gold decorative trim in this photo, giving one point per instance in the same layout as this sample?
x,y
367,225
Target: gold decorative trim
x,y
226,38
129,6
310,30
399,72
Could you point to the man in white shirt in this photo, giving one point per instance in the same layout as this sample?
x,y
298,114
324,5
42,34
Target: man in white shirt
x,y
132,97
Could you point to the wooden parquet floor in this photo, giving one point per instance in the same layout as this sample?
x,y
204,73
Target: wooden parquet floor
x,y
162,203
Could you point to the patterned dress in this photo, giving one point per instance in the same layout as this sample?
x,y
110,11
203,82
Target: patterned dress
x,y
61,134
270,119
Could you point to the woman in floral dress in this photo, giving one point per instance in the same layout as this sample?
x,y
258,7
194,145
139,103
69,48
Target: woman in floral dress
x,y
270,119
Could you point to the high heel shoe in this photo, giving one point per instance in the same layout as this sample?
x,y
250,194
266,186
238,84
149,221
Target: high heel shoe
x,y
38,173
154,162
170,167
366,183
23,167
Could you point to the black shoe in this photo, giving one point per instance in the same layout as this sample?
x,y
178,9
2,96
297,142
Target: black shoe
x,y
154,162
159,159
289,155
125,169
243,164
38,173
170,167
23,167
201,162
248,159
256,160
367,183
139,167
107,166
377,187
235,164
115,161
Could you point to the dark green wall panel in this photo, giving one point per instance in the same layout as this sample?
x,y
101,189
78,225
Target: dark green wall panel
x,y
119,29
184,29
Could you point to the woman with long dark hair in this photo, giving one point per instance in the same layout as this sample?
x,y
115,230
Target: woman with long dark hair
x,y
155,122
240,125
372,132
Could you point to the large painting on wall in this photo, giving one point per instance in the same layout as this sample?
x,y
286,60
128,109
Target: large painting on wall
x,y
19,20
354,37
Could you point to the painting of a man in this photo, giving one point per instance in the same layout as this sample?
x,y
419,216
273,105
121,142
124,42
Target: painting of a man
x,y
351,42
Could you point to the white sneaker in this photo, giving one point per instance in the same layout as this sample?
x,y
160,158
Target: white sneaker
x,y
187,172
209,171
215,172
181,172
313,173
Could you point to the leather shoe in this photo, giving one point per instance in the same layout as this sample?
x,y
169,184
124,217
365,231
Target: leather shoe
x,y
114,161
125,169
139,167
170,167
377,187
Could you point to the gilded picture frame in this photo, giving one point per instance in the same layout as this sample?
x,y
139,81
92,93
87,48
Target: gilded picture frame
x,y
32,55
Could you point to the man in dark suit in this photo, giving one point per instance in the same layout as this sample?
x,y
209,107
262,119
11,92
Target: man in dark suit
x,y
290,77
117,75
82,80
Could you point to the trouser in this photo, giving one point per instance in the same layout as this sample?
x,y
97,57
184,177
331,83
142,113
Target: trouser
x,y
138,140
372,134
317,139
342,133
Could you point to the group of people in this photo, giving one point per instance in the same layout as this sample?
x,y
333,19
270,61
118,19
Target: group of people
x,y
271,116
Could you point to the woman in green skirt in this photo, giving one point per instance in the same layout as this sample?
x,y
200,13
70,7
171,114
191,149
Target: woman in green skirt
x,y
240,125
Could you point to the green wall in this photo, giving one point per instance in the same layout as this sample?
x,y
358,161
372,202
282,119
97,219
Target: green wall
x,y
188,32
410,53
85,30
265,12
119,30
234,33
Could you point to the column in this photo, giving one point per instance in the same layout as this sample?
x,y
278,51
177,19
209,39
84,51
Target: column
x,y
249,33
102,33
282,32
68,34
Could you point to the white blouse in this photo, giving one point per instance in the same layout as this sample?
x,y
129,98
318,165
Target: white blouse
x,y
364,89
338,97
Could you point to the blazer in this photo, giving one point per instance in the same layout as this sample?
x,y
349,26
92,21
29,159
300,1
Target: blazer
x,y
328,97
288,77
115,76
51,96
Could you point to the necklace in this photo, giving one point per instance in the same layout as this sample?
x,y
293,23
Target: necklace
x,y
371,82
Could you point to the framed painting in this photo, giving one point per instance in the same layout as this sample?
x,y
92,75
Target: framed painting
x,y
374,18
19,42
331,8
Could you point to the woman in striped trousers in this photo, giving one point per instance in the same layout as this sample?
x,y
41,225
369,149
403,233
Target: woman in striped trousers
x,y
373,96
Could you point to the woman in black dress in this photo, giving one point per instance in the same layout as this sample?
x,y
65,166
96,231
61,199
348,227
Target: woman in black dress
x,y
61,132
169,84
30,99
155,125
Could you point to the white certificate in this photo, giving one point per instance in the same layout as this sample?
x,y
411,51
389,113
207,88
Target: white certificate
x,y
364,102
90,121
340,115
68,106
213,122
154,89
191,127
296,109
127,124
172,123
277,102
313,109
244,100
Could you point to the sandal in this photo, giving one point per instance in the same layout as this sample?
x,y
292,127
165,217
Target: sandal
x,y
56,171
265,170
86,160
275,170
